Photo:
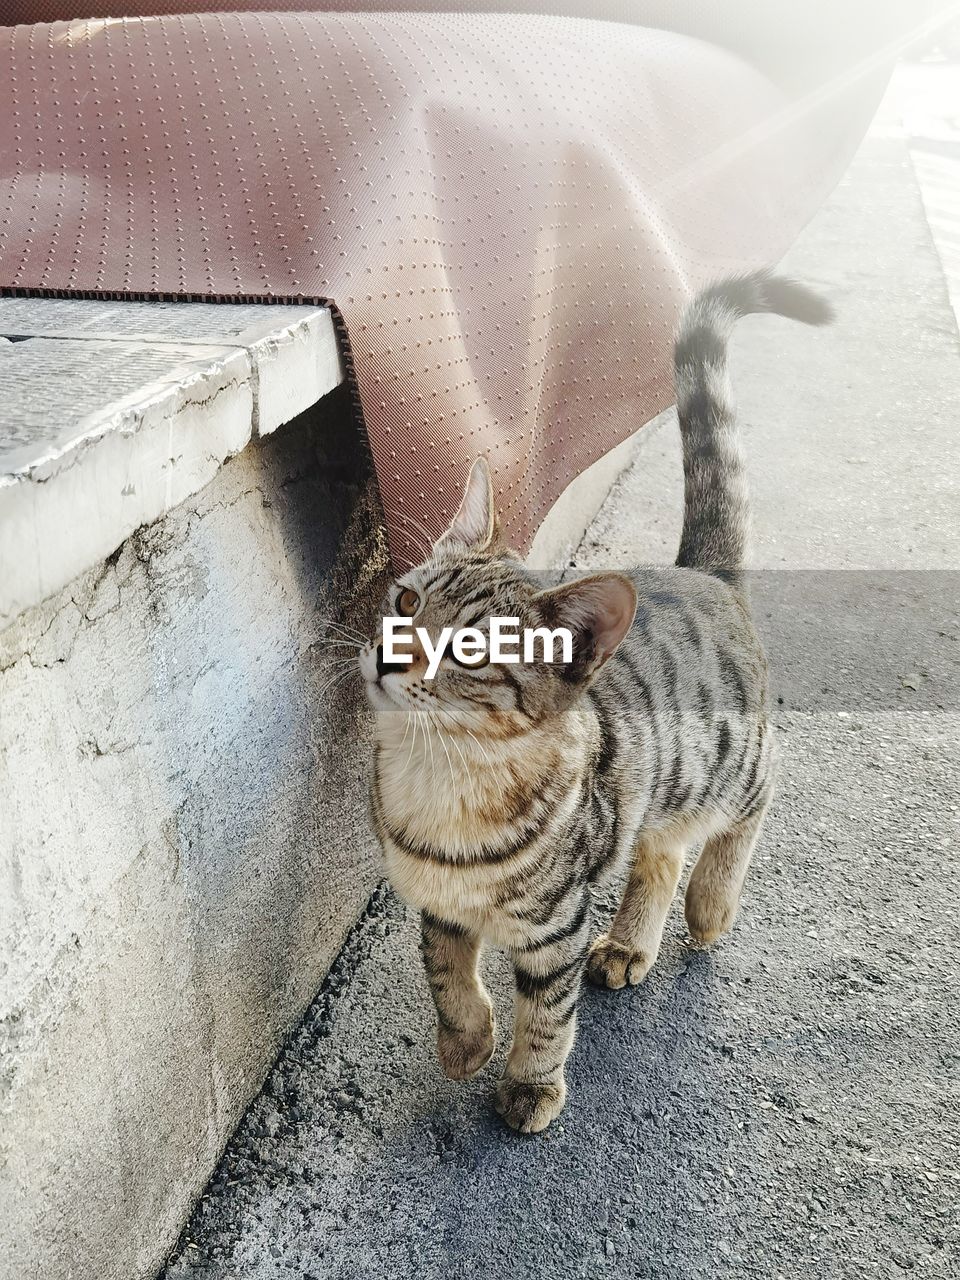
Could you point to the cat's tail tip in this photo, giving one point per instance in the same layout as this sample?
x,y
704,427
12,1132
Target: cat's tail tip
x,y
765,291
796,301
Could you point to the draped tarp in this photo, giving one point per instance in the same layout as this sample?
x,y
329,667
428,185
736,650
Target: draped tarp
x,y
507,210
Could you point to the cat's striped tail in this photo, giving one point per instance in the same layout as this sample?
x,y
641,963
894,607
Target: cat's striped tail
x,y
716,516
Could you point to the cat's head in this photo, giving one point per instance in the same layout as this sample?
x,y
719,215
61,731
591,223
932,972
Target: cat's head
x,y
470,577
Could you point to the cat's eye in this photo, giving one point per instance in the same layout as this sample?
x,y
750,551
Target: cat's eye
x,y
481,660
408,602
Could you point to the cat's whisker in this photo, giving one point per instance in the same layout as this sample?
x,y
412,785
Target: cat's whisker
x,y
329,687
481,748
334,633
425,543
337,644
347,633
335,622
406,730
343,667
397,749
442,711
453,774
421,551
418,525
339,660
429,536
468,772
483,752
429,737
413,743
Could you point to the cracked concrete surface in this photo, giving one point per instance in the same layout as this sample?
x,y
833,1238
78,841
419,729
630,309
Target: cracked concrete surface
x,y
119,411
182,844
787,1104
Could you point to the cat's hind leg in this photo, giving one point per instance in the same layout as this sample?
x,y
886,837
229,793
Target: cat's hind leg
x,y
627,952
713,891
465,1031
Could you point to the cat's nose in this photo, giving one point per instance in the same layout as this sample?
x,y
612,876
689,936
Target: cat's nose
x,y
383,668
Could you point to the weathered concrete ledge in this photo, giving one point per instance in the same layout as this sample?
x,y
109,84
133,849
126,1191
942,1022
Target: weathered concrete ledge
x,y
114,413
183,833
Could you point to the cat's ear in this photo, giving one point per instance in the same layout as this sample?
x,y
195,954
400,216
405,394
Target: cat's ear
x,y
474,527
597,610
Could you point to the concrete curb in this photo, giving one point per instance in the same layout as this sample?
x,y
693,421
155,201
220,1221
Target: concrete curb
x,y
117,412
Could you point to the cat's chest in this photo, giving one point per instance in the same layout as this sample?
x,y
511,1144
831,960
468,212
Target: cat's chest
x,y
456,879
447,852
462,895
429,809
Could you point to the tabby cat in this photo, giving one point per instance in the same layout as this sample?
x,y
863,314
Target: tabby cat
x,y
502,793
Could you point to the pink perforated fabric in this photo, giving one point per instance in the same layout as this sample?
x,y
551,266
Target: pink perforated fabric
x,y
508,210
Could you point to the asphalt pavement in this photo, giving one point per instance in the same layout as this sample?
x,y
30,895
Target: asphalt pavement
x,y
786,1104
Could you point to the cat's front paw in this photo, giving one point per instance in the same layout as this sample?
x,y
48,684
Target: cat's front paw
x,y
463,1053
529,1108
611,964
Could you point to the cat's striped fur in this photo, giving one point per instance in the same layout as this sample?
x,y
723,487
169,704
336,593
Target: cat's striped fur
x,y
501,794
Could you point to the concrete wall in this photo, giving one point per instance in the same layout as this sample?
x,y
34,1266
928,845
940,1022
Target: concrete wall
x,y
183,844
